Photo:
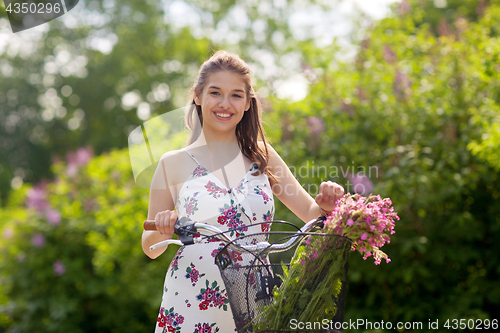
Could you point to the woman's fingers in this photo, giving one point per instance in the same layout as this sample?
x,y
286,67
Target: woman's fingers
x,y
165,222
319,198
329,193
173,219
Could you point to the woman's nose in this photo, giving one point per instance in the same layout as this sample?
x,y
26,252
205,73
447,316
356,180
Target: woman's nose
x,y
224,103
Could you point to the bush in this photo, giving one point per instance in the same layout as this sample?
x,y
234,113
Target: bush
x,y
406,120
72,261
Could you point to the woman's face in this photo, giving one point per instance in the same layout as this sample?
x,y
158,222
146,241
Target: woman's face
x,y
223,102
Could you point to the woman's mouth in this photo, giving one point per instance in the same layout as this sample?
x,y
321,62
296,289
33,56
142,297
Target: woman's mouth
x,y
223,116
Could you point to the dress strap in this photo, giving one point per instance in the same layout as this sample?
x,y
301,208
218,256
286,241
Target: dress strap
x,y
194,158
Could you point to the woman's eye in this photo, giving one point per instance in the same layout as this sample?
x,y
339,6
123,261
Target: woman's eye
x,y
238,96
214,93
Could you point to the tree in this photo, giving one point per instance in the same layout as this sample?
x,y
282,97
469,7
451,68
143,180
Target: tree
x,y
405,114
104,68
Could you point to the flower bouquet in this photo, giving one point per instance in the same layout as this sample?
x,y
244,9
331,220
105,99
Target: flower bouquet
x,y
314,283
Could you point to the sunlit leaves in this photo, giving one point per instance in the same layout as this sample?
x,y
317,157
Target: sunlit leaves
x,y
419,105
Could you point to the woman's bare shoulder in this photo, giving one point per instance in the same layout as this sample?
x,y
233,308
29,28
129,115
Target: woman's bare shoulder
x,y
176,164
172,156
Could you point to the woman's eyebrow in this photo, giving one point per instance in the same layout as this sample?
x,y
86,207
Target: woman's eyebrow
x,y
237,90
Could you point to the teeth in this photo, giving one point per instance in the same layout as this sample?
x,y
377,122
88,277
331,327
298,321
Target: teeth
x,y
223,115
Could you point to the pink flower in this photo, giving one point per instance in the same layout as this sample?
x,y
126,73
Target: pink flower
x,y
404,8
180,319
361,183
8,233
38,240
71,170
59,268
369,232
37,198
53,216
83,155
79,158
316,125
389,55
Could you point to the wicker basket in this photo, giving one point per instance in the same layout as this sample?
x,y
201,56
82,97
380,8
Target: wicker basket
x,y
250,279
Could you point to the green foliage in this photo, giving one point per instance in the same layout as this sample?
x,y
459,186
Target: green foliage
x,y
65,89
407,112
417,111
87,272
311,285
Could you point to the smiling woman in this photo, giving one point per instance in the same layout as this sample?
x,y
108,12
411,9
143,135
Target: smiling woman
x,y
223,102
223,177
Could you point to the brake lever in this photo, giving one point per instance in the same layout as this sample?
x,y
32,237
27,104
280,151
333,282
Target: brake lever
x,y
321,221
186,230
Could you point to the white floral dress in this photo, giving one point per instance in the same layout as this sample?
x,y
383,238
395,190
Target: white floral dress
x,y
194,296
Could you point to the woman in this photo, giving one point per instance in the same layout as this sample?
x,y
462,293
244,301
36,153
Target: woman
x,y
226,176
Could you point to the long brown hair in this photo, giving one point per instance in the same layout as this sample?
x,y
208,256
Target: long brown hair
x,y
249,130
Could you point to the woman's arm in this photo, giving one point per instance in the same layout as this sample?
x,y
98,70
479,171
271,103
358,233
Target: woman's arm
x,y
161,209
292,194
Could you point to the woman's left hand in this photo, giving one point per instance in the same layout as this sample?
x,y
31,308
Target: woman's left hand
x,y
329,193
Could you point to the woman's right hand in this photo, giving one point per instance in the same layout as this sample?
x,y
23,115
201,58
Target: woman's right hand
x,y
165,222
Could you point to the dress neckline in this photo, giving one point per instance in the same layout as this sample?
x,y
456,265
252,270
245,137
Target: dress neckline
x,y
221,183
215,179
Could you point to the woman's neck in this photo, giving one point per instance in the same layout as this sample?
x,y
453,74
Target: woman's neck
x,y
210,136
222,158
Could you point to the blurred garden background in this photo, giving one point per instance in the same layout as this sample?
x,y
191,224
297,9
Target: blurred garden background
x,y
413,96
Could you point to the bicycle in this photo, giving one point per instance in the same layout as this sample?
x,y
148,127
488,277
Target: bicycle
x,y
252,266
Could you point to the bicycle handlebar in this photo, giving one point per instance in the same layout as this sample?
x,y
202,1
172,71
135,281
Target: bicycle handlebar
x,y
149,225
188,232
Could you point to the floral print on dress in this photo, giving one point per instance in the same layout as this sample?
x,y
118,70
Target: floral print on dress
x,y
214,190
212,296
241,186
265,227
232,219
216,251
235,256
174,265
205,328
193,274
191,204
259,191
170,320
199,172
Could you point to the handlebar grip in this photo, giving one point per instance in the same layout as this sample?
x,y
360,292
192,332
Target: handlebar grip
x,y
149,225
